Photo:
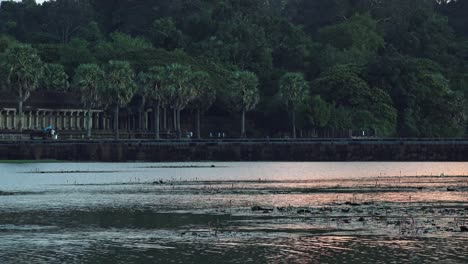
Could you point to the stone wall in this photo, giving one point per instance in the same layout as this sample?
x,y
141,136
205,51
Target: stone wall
x,y
346,150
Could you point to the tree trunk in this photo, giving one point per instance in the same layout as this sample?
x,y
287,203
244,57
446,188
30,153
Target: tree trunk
x,y
156,121
164,119
20,114
174,119
116,122
294,123
243,134
142,113
179,131
88,124
198,123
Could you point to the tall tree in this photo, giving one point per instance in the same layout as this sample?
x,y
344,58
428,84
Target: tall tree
x,y
120,88
24,70
206,95
244,94
154,90
181,92
293,90
89,79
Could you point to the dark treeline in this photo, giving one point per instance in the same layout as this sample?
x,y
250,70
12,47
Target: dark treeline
x,y
394,67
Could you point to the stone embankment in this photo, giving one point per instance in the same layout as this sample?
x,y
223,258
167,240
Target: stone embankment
x,y
236,150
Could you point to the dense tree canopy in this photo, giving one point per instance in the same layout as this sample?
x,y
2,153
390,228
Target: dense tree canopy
x,y
392,67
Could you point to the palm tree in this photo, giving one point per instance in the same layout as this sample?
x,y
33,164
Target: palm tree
x,y
293,90
153,90
24,70
206,95
89,80
180,91
54,78
244,94
120,88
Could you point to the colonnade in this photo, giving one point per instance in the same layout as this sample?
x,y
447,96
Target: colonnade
x,y
68,119
59,119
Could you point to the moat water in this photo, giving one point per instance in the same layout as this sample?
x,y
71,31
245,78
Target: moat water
x,y
282,212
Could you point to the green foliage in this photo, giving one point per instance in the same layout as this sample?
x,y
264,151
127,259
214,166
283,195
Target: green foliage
x,y
370,108
178,80
54,78
243,91
293,89
206,94
291,46
154,85
120,83
67,17
23,68
165,34
241,43
91,32
89,80
319,112
427,105
6,42
354,41
119,45
75,53
341,118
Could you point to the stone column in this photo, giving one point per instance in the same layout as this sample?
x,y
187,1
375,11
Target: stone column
x,y
73,120
48,118
70,120
83,120
59,120
146,121
67,120
13,117
10,120
77,120
36,120
64,120
56,119
42,118
30,120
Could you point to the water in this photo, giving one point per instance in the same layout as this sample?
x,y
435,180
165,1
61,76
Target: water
x,y
233,212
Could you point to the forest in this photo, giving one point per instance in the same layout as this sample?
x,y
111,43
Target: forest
x,y
395,68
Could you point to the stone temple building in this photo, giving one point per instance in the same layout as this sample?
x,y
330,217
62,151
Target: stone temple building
x,y
64,112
